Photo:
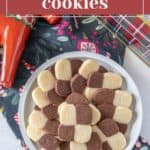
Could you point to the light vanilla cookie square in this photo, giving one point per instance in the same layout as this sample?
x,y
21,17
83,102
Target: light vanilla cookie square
x,y
82,133
117,141
67,114
88,66
112,80
34,133
100,133
63,70
46,80
77,146
37,119
122,98
122,115
89,92
40,98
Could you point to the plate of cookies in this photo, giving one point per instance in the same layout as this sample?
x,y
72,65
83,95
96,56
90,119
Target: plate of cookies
x,y
80,101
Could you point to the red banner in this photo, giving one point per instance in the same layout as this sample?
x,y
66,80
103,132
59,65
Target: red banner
x,y
96,7
146,6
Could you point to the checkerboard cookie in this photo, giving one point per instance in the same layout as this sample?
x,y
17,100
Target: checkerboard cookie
x,y
98,80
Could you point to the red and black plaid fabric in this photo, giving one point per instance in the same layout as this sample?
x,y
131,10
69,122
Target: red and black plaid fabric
x,y
133,31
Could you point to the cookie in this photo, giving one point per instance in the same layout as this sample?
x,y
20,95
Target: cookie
x,y
115,139
122,127
89,92
37,119
85,114
107,110
78,83
78,133
76,98
81,114
95,80
117,98
77,146
66,133
93,144
62,88
54,98
65,146
102,95
120,114
50,111
40,98
88,66
82,133
102,69
70,114
63,74
108,80
108,127
48,141
67,114
63,70
106,146
96,115
75,65
46,80
98,80
122,98
34,133
60,107
51,127
40,119
112,80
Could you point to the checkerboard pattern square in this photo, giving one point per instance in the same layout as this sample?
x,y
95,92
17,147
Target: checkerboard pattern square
x,y
133,31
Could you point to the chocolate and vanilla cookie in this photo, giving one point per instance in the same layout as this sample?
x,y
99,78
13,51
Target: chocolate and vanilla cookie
x,y
77,133
63,74
64,70
98,80
78,82
93,144
77,110
42,120
110,135
79,106
115,97
118,113
70,114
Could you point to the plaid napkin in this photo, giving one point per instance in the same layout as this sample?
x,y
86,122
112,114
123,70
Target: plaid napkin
x,y
134,31
47,41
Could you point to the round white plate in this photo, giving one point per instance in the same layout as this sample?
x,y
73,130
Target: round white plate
x,y
26,103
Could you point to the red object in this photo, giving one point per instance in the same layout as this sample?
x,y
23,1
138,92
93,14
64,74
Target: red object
x,y
13,35
52,19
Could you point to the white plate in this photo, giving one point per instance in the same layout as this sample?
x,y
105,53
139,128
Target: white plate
x,y
26,103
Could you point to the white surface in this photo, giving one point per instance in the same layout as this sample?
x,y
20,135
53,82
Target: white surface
x,y
140,73
7,139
